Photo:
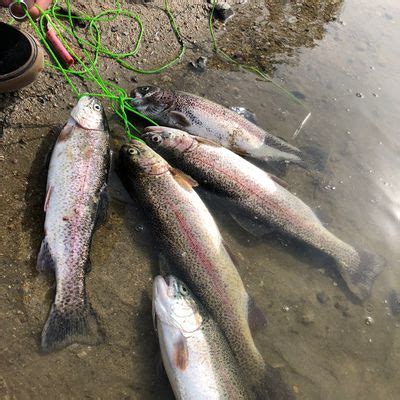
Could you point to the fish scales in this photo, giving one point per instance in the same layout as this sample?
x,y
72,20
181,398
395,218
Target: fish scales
x,y
76,182
193,244
198,360
262,197
210,120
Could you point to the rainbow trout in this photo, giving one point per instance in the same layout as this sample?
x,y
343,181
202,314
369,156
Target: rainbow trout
x,y
196,356
74,202
202,117
264,200
192,243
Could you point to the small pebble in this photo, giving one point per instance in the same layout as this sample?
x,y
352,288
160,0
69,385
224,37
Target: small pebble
x,y
223,12
344,308
307,318
360,95
369,320
139,228
82,354
286,308
322,297
200,64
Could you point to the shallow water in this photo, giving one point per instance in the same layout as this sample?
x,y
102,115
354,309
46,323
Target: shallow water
x,y
317,334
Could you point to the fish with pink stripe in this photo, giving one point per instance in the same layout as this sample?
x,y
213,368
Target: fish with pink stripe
x,y
75,203
264,201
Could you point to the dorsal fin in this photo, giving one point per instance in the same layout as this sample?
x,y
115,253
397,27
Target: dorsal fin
x,y
206,141
186,181
255,227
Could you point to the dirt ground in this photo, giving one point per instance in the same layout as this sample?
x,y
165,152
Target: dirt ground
x,y
263,33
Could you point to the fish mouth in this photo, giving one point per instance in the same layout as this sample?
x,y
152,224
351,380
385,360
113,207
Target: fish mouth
x,y
135,93
160,296
161,287
136,99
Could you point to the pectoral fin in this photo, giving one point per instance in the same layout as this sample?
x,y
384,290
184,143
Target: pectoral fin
x,y
101,215
48,196
186,181
251,225
181,353
45,261
66,132
180,118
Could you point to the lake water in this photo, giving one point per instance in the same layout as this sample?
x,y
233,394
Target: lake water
x,y
327,345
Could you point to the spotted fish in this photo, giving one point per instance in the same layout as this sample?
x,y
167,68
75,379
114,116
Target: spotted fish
x,y
192,243
202,117
265,201
196,356
74,203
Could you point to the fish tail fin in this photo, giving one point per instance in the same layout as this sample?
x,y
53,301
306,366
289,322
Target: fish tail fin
x,y
66,325
266,153
361,276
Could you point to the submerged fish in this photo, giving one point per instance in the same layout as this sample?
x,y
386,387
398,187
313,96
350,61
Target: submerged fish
x,y
74,202
265,201
196,356
202,117
191,241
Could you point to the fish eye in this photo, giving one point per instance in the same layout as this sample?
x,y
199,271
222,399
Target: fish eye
x,y
156,139
97,107
132,151
147,91
183,289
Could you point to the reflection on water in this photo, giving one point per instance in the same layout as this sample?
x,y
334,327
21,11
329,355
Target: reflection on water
x,y
327,346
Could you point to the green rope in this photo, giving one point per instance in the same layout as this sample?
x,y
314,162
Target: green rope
x,y
92,48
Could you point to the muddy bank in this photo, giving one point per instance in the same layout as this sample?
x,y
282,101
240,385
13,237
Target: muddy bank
x,y
316,334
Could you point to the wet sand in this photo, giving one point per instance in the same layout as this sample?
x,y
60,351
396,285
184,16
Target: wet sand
x,y
341,59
